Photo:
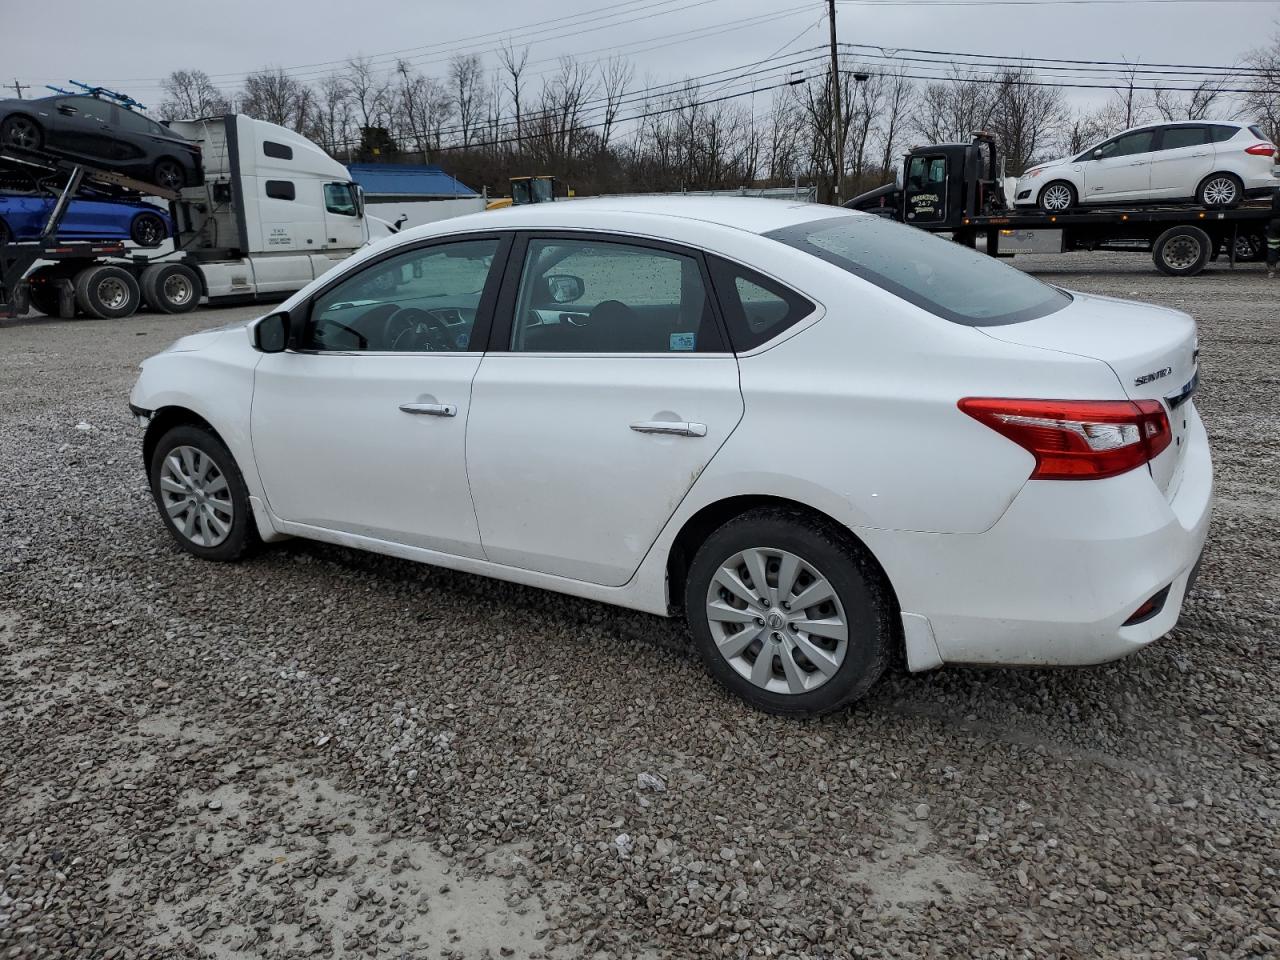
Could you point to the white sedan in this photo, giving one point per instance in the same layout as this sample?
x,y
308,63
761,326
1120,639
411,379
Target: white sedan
x,y
1213,163
819,435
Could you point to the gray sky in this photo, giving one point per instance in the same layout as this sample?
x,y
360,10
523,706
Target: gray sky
x,y
130,46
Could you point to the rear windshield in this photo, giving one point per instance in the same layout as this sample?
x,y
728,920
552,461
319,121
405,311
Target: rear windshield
x,y
951,281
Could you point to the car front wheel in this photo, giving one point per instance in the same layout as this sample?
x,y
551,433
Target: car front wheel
x,y
788,613
1057,197
201,494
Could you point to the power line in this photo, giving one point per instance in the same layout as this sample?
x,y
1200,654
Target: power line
x,y
1090,73
891,51
1029,3
1063,86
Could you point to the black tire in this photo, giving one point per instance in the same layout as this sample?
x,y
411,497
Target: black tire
x,y
148,230
242,533
170,287
169,174
107,292
858,584
1055,189
1220,191
1182,251
22,132
6,235
44,299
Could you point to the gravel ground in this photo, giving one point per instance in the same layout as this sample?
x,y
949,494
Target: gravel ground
x,y
326,753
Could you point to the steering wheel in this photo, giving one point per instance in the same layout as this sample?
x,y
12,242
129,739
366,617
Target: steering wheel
x,y
413,329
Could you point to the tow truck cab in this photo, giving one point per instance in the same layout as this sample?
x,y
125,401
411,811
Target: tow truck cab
x,y
939,186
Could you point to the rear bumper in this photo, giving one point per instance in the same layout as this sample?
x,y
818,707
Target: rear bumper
x,y
1055,580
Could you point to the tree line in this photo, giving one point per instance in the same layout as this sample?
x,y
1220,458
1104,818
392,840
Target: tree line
x,y
599,129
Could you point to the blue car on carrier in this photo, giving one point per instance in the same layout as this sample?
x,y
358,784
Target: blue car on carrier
x,y
23,216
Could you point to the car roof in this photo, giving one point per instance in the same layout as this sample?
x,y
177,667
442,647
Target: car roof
x,y
750,214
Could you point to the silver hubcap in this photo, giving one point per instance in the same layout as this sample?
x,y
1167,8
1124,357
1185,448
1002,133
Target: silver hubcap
x,y
1056,197
196,496
177,289
777,620
113,293
1181,252
1220,191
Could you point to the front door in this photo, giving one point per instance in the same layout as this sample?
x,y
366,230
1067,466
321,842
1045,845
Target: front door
x,y
362,429
343,225
925,188
82,125
595,412
1120,169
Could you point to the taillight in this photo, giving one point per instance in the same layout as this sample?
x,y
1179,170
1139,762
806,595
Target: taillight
x,y
1077,439
1261,149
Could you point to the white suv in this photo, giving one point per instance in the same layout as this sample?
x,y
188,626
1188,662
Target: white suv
x,y
1214,163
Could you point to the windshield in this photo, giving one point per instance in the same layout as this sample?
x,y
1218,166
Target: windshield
x,y
951,281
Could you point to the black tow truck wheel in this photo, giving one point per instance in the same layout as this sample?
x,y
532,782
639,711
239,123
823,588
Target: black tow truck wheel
x,y
1182,251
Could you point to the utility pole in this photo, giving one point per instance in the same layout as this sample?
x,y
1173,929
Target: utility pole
x,y
19,87
837,131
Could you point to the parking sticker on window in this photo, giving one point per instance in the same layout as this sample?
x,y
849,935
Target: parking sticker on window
x,y
683,341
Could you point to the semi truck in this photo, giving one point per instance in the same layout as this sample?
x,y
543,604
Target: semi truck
x,y
955,188
273,213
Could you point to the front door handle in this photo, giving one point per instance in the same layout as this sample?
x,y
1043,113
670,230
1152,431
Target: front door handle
x,y
430,409
674,428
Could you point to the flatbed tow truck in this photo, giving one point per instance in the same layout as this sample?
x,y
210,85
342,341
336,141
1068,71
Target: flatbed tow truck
x,y
955,188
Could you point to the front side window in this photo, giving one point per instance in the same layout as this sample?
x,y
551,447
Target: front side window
x,y
1174,138
422,301
756,308
339,199
945,278
589,296
1128,144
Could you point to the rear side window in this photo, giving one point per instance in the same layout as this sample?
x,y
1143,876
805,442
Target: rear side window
x,y
1254,129
756,309
943,277
277,150
280,189
1221,134
1175,137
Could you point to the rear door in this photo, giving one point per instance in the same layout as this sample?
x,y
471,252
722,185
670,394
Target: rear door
x,y
1120,169
607,389
1183,157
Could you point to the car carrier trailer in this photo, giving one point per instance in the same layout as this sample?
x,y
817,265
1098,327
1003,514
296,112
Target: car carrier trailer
x,y
955,188
274,212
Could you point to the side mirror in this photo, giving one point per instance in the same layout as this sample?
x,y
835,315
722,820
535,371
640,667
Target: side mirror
x,y
271,333
1097,154
565,288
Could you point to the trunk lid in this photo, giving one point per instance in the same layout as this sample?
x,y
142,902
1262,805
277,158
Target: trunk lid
x,y
1152,351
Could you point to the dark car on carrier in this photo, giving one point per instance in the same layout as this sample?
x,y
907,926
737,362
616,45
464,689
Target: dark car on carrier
x,y
102,133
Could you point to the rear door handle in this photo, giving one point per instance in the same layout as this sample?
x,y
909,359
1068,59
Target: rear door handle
x,y
430,409
674,428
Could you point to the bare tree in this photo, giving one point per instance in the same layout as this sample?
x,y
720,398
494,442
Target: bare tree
x,y
615,77
1025,117
466,77
1084,129
898,97
276,97
1263,99
189,95
514,63
331,120
783,146
952,109
1193,104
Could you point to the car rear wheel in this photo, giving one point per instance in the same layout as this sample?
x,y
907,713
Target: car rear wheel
x,y
1182,251
1057,197
201,494
170,287
168,174
148,230
1220,190
788,612
107,293
21,132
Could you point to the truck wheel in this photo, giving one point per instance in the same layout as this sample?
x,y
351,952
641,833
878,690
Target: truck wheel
x,y
148,230
107,292
1057,197
170,287
44,299
1182,251
1220,190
